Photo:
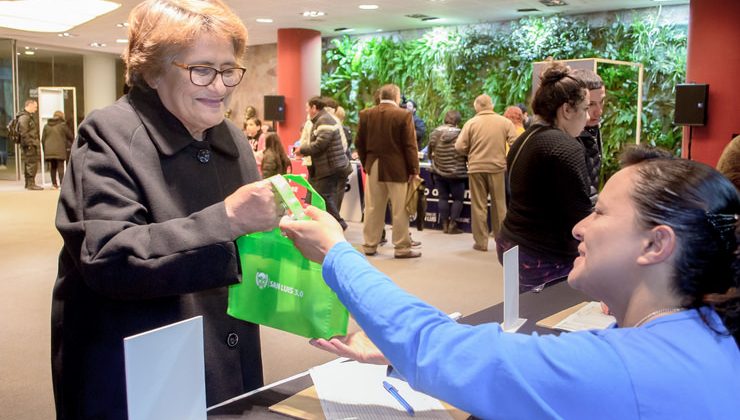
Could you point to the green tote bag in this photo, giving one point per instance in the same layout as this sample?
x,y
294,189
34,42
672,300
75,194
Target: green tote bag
x,y
280,288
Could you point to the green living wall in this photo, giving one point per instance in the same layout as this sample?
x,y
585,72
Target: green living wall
x,y
446,69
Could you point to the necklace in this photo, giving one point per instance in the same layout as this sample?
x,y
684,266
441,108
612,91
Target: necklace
x,y
653,314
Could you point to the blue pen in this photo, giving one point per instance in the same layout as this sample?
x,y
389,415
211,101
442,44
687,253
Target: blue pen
x,y
394,392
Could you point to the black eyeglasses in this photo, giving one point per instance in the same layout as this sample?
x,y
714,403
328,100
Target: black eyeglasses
x,y
205,75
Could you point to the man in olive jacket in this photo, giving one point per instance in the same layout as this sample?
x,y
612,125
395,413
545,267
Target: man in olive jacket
x,y
386,144
30,143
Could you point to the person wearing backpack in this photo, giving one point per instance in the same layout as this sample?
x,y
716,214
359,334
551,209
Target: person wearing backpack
x,y
30,145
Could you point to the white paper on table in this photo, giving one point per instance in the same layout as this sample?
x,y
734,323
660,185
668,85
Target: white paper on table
x,y
589,317
352,390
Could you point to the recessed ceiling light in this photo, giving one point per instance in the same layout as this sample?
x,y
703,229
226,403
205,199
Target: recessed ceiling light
x,y
263,20
551,3
121,41
64,35
97,44
431,19
51,15
378,30
313,13
368,6
122,25
29,52
343,29
527,9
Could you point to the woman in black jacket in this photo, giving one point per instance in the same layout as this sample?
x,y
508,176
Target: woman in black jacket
x,y
550,186
56,139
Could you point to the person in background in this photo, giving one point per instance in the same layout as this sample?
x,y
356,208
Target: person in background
x,y
483,141
449,171
254,133
729,161
389,155
550,188
514,114
56,139
328,156
342,114
274,160
255,137
420,128
660,250
30,144
590,137
158,188
526,119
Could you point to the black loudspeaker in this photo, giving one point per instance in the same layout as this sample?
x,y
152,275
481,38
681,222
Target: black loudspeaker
x,y
275,108
691,104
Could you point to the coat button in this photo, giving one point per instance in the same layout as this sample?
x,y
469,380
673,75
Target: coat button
x,y
232,340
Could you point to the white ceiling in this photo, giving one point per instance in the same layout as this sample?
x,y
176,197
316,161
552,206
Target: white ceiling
x,y
390,16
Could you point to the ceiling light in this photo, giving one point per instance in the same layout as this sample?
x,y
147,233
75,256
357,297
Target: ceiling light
x,y
263,20
343,29
64,34
51,15
122,25
97,44
431,19
29,52
528,9
121,41
313,13
368,6
551,3
378,30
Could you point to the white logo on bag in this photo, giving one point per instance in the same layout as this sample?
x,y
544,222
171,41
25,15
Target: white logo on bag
x,y
263,280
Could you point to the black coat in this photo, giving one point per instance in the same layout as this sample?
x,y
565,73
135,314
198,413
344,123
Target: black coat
x,y
146,243
56,138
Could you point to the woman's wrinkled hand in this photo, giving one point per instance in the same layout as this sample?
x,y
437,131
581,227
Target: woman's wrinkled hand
x,y
253,208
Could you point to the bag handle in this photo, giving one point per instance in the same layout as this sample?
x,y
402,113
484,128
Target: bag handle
x,y
519,150
280,183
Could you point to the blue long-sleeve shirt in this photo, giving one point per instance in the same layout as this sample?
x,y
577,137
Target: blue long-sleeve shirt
x,y
672,367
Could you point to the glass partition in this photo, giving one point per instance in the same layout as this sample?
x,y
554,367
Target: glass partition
x,y
7,148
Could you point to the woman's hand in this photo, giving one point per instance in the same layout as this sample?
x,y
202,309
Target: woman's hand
x,y
355,346
315,237
253,208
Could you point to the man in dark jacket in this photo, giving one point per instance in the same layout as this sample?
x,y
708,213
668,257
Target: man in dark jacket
x,y
328,157
419,126
30,143
590,138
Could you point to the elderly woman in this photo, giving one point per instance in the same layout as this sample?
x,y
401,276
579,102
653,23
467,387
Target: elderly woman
x,y
157,190
659,249
549,182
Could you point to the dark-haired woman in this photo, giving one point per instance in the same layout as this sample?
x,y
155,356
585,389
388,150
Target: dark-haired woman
x,y
660,249
450,170
274,159
549,182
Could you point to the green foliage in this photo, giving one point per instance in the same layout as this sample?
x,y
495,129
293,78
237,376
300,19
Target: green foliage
x,y
446,68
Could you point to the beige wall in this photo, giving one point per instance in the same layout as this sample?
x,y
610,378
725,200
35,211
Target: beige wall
x,y
259,80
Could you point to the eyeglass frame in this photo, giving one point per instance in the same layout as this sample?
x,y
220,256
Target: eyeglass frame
x,y
190,67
